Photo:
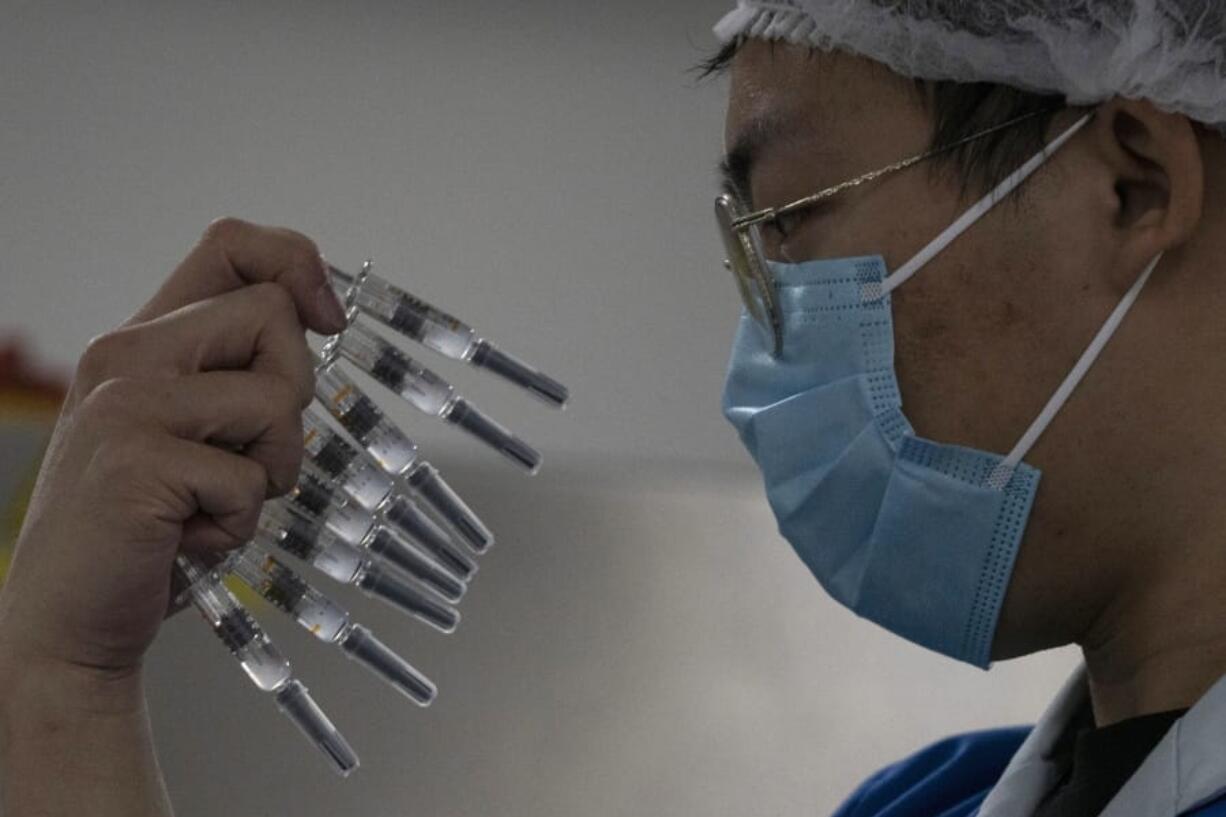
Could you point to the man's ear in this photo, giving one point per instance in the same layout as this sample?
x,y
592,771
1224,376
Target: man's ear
x,y
1154,161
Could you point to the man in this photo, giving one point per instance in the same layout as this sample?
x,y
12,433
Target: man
x,y
965,228
1070,317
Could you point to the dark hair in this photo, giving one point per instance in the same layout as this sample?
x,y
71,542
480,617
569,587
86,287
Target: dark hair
x,y
960,109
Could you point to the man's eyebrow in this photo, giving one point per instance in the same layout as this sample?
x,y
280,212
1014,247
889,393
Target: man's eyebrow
x,y
752,140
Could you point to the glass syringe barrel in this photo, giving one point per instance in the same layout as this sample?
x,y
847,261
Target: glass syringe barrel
x,y
309,541
445,334
422,388
359,415
312,495
263,663
305,529
359,476
354,473
288,592
233,625
397,454
429,393
360,528
348,565
327,621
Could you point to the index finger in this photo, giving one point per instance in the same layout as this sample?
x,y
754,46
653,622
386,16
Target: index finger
x,y
233,253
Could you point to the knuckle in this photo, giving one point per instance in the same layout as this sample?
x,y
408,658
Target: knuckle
x,y
282,472
246,519
283,459
284,398
121,459
291,374
304,378
281,478
302,249
276,299
275,302
100,356
306,393
111,396
253,480
224,230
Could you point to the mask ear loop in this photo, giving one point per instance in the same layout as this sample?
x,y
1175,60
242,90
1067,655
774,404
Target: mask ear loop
x,y
1003,472
875,290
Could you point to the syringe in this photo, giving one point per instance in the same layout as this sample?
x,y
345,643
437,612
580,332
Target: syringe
x,y
333,460
395,453
263,663
439,331
356,472
426,391
344,563
344,518
314,499
351,505
232,624
327,620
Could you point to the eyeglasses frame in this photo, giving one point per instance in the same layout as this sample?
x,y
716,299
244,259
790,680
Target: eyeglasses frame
x,y
740,239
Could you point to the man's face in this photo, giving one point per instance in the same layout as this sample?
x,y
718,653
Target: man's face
x,y
986,332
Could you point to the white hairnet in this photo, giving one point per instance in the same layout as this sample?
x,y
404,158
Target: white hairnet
x,y
1171,52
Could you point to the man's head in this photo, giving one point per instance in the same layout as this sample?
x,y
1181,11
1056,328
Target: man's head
x,y
986,332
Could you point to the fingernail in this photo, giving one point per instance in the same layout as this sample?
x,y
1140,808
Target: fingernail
x,y
330,308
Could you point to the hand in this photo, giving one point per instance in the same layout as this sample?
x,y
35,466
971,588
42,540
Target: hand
x,y
177,427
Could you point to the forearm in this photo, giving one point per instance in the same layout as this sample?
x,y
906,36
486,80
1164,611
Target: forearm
x,y
76,742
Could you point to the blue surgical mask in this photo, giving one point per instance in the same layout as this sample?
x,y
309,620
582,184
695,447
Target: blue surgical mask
x,y
916,535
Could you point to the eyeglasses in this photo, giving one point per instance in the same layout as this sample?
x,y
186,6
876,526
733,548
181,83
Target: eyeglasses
x,y
742,235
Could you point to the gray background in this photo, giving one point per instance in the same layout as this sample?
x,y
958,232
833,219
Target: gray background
x,y
640,641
